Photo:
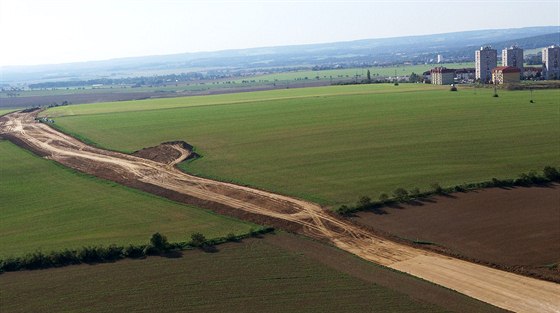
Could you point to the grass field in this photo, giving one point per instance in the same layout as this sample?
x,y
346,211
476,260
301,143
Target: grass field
x,y
253,276
385,71
46,206
334,144
2,112
257,80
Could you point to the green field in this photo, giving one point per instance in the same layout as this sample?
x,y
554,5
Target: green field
x,y
4,111
334,144
281,79
381,71
253,276
46,206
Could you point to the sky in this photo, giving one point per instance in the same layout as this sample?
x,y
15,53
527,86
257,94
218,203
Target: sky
x,y
63,31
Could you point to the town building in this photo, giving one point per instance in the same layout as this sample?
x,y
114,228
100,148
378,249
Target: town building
x,y
440,58
465,75
506,75
442,76
551,62
485,60
532,72
513,56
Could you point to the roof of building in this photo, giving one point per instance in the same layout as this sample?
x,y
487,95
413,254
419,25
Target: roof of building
x,y
506,69
442,70
465,70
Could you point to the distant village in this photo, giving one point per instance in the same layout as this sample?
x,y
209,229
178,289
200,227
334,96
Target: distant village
x,y
487,71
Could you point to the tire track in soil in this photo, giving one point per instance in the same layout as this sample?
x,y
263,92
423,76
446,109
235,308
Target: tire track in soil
x,y
503,289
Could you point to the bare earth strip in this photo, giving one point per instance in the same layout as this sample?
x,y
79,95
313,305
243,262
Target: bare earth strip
x,y
502,289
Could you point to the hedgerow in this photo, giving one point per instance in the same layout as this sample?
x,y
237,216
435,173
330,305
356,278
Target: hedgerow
x,y
401,195
100,254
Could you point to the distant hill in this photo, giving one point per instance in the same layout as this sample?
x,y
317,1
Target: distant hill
x,y
457,46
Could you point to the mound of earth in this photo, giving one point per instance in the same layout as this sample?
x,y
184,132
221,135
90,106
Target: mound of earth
x,y
171,152
515,229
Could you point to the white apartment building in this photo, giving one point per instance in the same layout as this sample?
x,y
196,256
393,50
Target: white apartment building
x,y
551,62
485,60
513,56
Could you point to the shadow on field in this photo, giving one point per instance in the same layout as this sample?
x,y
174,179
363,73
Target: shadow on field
x,y
173,254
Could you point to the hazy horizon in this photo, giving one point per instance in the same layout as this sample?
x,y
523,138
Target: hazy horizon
x,y
63,31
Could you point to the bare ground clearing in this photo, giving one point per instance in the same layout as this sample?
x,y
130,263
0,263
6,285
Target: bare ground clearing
x,y
500,288
516,229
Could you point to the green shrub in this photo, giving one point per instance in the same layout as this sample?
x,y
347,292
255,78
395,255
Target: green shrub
x,y
383,198
64,257
89,255
400,194
551,173
134,252
231,237
10,265
415,192
159,242
344,210
112,253
437,188
364,202
36,260
199,240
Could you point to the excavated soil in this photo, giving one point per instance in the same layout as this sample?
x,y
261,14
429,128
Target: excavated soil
x,y
503,289
517,229
168,152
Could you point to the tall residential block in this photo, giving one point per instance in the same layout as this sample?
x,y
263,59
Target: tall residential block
x,y
485,60
513,56
551,62
442,76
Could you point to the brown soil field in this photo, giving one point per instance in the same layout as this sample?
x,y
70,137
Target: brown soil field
x,y
279,273
516,229
503,289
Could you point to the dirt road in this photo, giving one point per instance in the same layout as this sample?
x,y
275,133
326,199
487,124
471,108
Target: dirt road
x,y
503,289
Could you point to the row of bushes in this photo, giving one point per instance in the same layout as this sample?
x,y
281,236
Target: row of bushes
x,y
158,245
549,174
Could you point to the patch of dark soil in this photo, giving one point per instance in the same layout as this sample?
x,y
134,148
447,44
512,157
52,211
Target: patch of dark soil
x,y
165,153
515,230
417,289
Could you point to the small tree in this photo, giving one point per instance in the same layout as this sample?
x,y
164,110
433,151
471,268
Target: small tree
x,y
159,242
364,202
231,237
415,192
344,210
383,197
551,173
400,194
436,188
368,76
198,240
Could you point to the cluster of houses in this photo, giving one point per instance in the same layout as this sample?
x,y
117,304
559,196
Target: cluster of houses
x,y
487,70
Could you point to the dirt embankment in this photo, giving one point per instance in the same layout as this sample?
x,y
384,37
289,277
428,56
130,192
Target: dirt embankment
x,y
171,153
502,289
517,229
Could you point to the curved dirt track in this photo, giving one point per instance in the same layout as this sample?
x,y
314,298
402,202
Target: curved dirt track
x,y
502,289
